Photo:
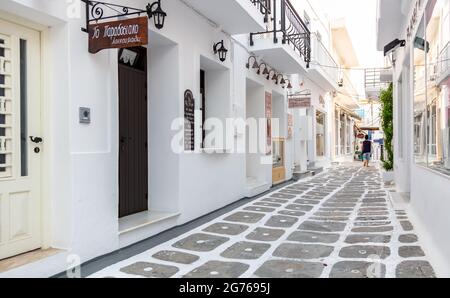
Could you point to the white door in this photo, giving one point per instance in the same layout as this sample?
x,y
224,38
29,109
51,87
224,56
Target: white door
x,y
20,164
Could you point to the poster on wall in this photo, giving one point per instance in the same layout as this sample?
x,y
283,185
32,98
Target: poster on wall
x,y
118,34
290,125
189,120
269,123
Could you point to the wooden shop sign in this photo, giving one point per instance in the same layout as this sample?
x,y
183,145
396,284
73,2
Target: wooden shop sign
x,y
299,102
118,34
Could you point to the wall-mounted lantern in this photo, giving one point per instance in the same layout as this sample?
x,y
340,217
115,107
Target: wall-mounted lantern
x,y
265,71
282,82
159,15
255,64
289,86
268,75
98,11
220,49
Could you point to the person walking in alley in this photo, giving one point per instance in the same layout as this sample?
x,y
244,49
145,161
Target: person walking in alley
x,y
367,151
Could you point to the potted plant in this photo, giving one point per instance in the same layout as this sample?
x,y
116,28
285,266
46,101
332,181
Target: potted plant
x,y
387,124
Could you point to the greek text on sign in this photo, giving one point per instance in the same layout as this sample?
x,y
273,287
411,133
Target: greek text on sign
x,y
299,102
118,34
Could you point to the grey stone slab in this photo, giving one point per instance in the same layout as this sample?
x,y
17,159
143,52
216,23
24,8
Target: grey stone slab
x,y
280,195
343,200
415,269
373,209
364,251
372,218
200,242
318,226
369,214
368,238
381,229
291,192
409,238
296,207
281,221
292,213
265,234
310,237
316,218
216,269
226,229
328,209
176,257
407,226
306,202
332,214
272,200
372,223
303,251
245,217
354,269
410,252
150,270
289,269
259,209
245,250
339,205
266,204
370,201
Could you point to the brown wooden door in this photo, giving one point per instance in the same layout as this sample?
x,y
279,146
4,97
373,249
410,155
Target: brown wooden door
x,y
133,138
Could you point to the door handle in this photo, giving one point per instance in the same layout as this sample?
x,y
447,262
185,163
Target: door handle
x,y
36,140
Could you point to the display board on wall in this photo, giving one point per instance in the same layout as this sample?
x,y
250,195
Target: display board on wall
x,y
118,34
189,121
268,105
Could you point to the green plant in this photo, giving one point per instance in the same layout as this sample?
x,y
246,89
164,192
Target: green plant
x,y
387,124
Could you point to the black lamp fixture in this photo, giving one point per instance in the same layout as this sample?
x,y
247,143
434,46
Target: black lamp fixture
x,y
265,71
255,64
222,51
268,75
97,11
275,78
159,15
282,81
289,86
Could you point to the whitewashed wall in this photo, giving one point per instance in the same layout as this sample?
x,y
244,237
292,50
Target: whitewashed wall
x,y
82,178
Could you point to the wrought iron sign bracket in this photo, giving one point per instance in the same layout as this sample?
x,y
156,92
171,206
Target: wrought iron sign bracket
x,y
98,11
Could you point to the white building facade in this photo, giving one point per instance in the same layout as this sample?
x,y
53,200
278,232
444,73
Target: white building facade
x,y
87,159
421,114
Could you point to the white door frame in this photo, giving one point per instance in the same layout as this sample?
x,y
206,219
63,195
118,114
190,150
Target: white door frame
x,y
45,99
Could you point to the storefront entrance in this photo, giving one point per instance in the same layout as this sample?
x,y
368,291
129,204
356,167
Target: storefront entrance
x,y
133,131
21,142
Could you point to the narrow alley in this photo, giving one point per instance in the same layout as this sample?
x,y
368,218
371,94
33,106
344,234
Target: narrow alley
x,y
339,224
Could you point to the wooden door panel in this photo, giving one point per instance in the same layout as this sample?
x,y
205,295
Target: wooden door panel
x,y
133,137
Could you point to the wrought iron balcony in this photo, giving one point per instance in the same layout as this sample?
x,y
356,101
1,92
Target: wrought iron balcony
x,y
443,65
264,7
290,28
376,80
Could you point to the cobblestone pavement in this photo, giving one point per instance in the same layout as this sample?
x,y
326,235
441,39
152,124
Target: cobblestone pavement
x,y
339,224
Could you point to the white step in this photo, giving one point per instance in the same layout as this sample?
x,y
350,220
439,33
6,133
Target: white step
x,y
255,187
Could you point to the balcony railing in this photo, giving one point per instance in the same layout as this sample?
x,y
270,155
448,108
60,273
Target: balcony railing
x,y
264,7
373,79
323,58
444,62
291,27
